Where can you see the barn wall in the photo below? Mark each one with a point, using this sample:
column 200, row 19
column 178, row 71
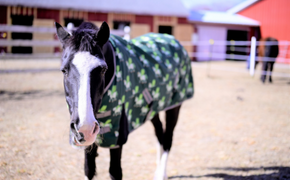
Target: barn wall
column 93, row 16
column 45, row 18
column 164, row 21
column 207, row 32
column 182, row 21
column 184, row 31
column 43, row 36
column 216, row 33
column 143, row 24
column 139, row 30
column 120, row 17
column 75, row 16
column 273, row 16
column 139, row 19
column 48, row 14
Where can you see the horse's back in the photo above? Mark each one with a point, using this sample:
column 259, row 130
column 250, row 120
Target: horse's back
column 153, row 73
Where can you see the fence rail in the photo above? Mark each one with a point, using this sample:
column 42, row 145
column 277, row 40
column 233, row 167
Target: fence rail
column 246, row 47
column 27, row 29
column 50, row 43
column 210, row 51
column 31, row 29
column 231, row 43
column 239, row 50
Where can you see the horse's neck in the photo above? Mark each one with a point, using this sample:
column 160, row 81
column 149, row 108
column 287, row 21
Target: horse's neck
column 110, row 60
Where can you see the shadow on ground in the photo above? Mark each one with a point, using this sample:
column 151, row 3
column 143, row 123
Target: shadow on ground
column 18, row 95
column 280, row 173
column 41, row 70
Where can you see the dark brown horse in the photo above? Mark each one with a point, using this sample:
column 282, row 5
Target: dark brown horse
column 88, row 66
column 268, row 52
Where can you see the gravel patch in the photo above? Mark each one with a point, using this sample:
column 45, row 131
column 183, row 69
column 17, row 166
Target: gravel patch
column 235, row 128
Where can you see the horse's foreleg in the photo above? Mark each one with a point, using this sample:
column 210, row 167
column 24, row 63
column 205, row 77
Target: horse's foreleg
column 115, row 164
column 116, row 154
column 90, row 163
column 171, row 120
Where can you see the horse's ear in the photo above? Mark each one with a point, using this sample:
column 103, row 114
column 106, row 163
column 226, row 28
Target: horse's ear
column 62, row 35
column 103, row 34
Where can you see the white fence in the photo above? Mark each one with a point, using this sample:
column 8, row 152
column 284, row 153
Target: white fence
column 212, row 54
column 31, row 29
column 212, row 51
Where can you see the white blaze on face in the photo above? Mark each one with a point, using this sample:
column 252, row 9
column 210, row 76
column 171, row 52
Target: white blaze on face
column 85, row 63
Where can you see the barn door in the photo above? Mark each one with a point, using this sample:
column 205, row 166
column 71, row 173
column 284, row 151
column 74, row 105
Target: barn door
column 165, row 29
column 23, row 21
column 233, row 49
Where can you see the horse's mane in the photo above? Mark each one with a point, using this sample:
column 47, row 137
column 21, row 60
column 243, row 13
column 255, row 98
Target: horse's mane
column 83, row 39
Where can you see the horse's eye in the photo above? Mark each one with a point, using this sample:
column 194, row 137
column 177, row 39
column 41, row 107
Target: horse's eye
column 64, row 71
column 103, row 71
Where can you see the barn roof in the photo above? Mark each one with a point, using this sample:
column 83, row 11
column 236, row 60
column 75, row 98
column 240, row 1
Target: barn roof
column 211, row 5
column 221, row 18
column 241, row 6
column 144, row 7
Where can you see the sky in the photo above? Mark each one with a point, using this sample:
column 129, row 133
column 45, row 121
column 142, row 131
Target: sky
column 211, row 5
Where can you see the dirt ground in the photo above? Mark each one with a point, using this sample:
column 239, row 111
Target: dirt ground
column 234, row 128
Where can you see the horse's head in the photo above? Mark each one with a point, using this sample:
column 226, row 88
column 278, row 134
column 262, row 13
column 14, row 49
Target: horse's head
column 83, row 65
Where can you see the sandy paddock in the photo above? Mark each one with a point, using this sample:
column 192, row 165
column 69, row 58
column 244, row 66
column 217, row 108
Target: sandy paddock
column 235, row 127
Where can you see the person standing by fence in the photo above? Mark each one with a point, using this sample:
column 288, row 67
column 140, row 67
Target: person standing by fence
column 269, row 51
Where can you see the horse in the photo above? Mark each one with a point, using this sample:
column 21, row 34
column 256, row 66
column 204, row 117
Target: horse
column 105, row 106
column 268, row 52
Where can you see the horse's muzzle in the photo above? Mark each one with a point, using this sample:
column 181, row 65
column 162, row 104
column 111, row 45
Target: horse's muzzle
column 86, row 135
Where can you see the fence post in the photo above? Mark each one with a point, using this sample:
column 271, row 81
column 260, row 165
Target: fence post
column 252, row 55
column 127, row 30
column 211, row 42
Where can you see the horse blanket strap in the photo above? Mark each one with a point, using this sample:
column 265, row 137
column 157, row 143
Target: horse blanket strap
column 104, row 130
column 153, row 73
column 104, row 114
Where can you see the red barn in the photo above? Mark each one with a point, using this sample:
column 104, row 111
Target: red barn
column 273, row 16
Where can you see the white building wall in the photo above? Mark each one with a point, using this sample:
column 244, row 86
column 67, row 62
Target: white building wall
column 205, row 34
column 217, row 33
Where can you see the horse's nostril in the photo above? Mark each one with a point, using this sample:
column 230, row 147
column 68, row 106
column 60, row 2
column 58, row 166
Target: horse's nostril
column 73, row 128
column 78, row 135
column 81, row 138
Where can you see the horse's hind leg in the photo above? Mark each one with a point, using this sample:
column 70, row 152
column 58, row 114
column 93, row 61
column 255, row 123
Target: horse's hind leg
column 159, row 134
column 90, row 163
column 115, row 163
column 171, row 120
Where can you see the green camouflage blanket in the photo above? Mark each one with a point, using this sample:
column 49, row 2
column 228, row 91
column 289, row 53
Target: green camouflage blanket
column 153, row 73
